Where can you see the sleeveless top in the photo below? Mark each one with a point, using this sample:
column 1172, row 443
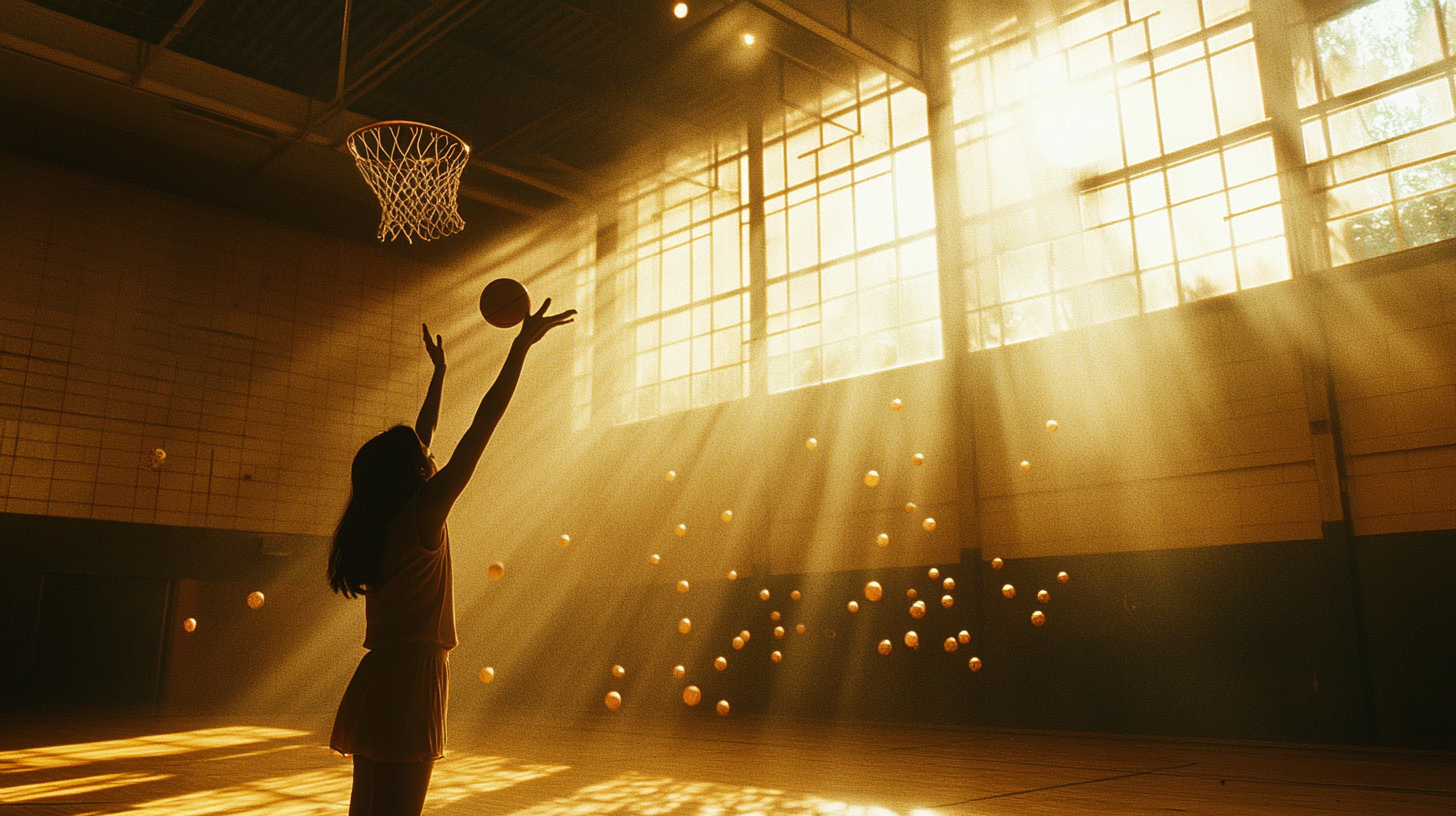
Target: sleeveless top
column 414, row 601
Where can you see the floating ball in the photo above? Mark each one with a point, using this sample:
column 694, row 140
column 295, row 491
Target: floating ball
column 726, row 516
column 975, row 664
column 1009, row 591
column 910, row 507
column 933, row 573
column 738, row 643
column 912, row 594
column 1063, row 578
column 745, row 635
column 811, row 443
column 947, row 601
column 883, row 540
column 917, row 459
column 853, row 607
column 794, row 595
column 614, row 701
column 679, row 672
column 1025, row 465
column 681, row 530
column 684, row 626
column 948, row 584
column 774, row 616
column 884, row 647
column 733, row 575
column 997, row 563
column 964, row 636
column 189, row 625
column 504, row 303
column 682, row 587
column 156, row 458
column 896, row 405
column 912, row 640
column 1038, row 618
column 928, row 525
column 654, row 559
column 951, row 645
column 1051, row 426
column 872, row 478
column 722, row 708
column 778, row 631
column 917, row 610
column 692, row 695
column 1043, row 596
column 873, row 590
column 496, row 571
column 619, row 672
column 670, row 475
column 799, row 628
column 255, row 600
column 563, row 541
column 720, row 663
column 763, row 594
column 487, row 674
column 776, row 656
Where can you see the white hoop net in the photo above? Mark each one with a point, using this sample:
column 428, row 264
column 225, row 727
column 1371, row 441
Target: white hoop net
column 415, row 170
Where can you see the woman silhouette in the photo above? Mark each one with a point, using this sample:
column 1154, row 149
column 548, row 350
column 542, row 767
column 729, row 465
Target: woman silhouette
column 392, row 547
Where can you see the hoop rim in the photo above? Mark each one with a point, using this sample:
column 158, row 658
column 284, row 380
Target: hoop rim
column 350, row 138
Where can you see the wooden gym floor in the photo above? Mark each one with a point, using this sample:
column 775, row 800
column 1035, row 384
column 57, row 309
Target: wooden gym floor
column 53, row 765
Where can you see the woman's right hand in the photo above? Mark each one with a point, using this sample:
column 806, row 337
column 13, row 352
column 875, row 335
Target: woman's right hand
column 535, row 326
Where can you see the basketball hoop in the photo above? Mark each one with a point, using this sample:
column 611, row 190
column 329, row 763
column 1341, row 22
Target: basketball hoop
column 415, row 170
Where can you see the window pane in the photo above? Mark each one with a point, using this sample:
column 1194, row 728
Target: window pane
column 1376, row 41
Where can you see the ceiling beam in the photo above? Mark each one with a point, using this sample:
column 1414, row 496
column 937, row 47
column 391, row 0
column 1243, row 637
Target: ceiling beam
column 529, row 179
column 485, row 196
column 787, row 12
column 149, row 51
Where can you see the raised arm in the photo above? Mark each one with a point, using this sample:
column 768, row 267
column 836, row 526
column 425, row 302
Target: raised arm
column 430, row 411
column 440, row 492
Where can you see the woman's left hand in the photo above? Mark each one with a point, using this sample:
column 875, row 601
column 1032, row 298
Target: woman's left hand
column 435, row 349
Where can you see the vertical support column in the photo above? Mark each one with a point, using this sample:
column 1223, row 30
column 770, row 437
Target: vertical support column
column 757, row 250
column 1273, row 22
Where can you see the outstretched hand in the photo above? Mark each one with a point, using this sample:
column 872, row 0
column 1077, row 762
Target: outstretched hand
column 535, row 326
column 435, row 349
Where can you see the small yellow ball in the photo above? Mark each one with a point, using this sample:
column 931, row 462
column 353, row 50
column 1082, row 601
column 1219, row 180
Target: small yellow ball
column 692, row 695
column 684, row 626
column 896, row 405
column 774, row 616
column 853, row 607
column 934, row 573
column 872, row 478
column 487, row 674
column 1063, row 578
column 763, row 594
column 794, row 595
column 654, row 559
column 723, row 708
column 799, row 628
column 811, row 443
column 733, row 575
column 726, row 516
column 912, row 594
column 1025, row 465
column 671, row 475
column 255, row 600
column 912, row 640
column 910, row 507
column 917, row 610
column 951, row 645
column 885, row 647
column 778, row 631
column 1038, row 618
column 720, row 663
column 1009, row 591
column 738, row 643
column 1051, row 426
column 681, row 530
column 679, row 672
column 189, row 625
column 682, row 587
column 745, row 635
column 873, row 590
column 947, row 601
column 1043, row 596
column 964, row 636
column 776, row 656
column 975, row 664
column 917, row 459
column 883, row 540
column 619, row 672
column 997, row 563
column 496, row 571
column 563, row 541
column 928, row 525
column 948, row 584
column 614, row 701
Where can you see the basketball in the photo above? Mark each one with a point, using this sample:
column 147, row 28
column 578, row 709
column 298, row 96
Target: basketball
column 504, row 303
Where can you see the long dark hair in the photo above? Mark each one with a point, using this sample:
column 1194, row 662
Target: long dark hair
column 386, row 473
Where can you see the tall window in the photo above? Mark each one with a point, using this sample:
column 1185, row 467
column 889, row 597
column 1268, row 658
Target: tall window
column 850, row 231
column 1375, row 94
column 1114, row 161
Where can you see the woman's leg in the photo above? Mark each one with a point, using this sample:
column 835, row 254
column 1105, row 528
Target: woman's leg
column 400, row 787
column 362, row 795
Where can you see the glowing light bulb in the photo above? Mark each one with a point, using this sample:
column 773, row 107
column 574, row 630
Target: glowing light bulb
column 680, row 10
column 749, row 39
